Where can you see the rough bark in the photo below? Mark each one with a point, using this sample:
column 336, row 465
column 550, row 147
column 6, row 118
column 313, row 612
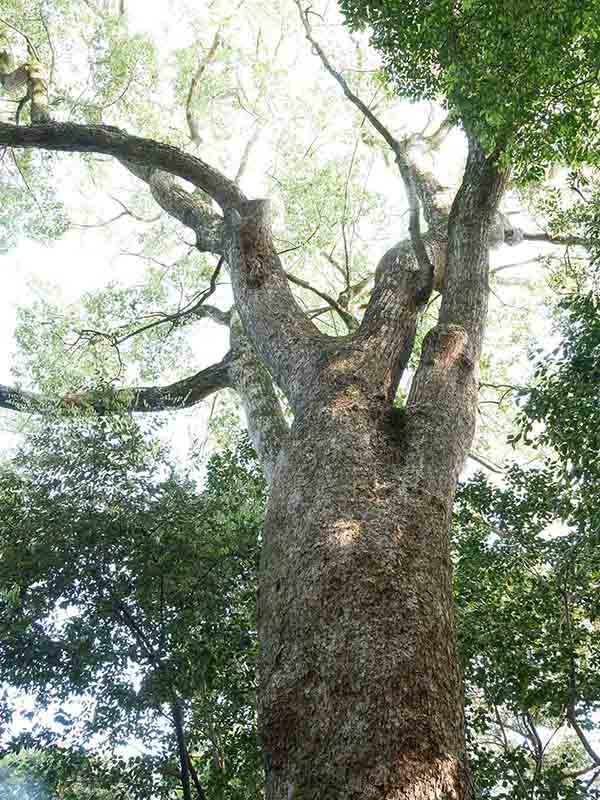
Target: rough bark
column 360, row 694
column 181, row 394
column 266, row 423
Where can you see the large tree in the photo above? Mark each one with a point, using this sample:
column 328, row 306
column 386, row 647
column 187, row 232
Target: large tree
column 360, row 693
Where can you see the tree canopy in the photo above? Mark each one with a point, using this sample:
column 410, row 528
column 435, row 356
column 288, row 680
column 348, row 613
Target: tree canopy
column 128, row 608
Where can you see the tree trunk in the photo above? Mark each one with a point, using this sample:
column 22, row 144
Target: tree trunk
column 360, row 692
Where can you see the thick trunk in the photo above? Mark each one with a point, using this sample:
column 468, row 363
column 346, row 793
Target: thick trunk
column 360, row 693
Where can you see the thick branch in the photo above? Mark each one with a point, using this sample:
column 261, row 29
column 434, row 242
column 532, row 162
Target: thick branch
column 181, row 394
column 70, row 137
column 181, row 751
column 441, row 409
column 187, row 207
column 287, row 342
column 260, row 284
column 388, row 328
column 466, row 283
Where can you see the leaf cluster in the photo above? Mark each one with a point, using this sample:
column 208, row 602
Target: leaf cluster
column 519, row 75
column 527, row 572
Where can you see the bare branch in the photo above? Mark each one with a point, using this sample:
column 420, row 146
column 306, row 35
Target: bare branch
column 50, row 45
column 195, row 311
column 30, row 44
column 436, row 138
column 563, row 241
column 191, row 120
column 525, row 263
column 349, row 320
column 26, row 182
column 246, row 154
column 397, row 148
column 486, row 463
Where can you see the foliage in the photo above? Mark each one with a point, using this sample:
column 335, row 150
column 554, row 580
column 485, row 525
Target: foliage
column 124, row 588
column 563, row 405
column 528, row 566
column 518, row 73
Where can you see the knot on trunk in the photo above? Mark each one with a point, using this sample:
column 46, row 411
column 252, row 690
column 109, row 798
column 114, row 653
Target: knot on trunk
column 446, row 346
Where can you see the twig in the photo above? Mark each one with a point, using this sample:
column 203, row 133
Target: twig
column 24, row 179
column 30, row 44
column 396, row 147
column 349, row 320
column 51, row 46
column 485, row 463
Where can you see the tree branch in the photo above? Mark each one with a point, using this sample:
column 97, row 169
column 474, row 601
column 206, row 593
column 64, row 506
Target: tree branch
column 406, row 169
column 563, row 241
column 486, row 463
column 466, row 282
column 571, row 705
column 267, row 426
column 191, row 120
column 286, row 340
column 187, row 207
column 70, row 137
column 181, row 394
column 348, row 319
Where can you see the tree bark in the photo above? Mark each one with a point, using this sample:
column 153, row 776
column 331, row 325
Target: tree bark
column 360, row 694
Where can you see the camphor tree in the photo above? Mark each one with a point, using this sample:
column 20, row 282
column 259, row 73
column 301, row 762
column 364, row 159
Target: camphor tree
column 359, row 692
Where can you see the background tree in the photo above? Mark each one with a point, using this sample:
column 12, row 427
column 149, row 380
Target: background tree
column 526, row 584
column 360, row 693
column 128, row 600
column 527, row 567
